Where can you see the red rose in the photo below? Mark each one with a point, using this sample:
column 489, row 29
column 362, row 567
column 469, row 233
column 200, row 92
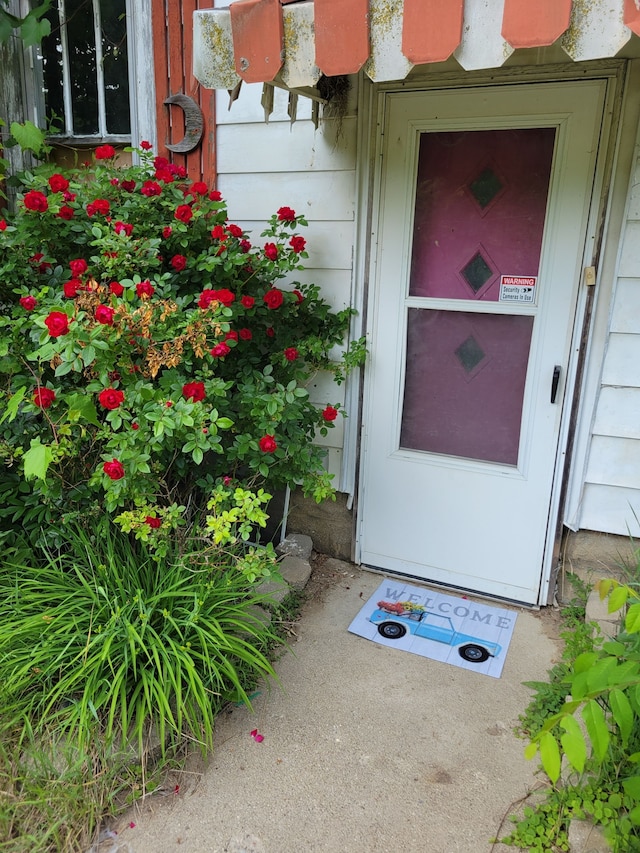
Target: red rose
column 215, row 195
column 231, row 335
column 3, row 225
column 178, row 262
column 234, row 230
column 123, row 228
column 330, row 413
column 28, row 302
column 71, row 288
column 145, row 289
column 298, row 296
column 270, row 332
column 111, row 398
column 193, row 391
column 206, row 298
column 271, row 251
column 291, row 353
column 128, row 186
column 116, row 288
column 198, row 188
column 218, row 232
column 104, row 152
column 167, row 231
column 248, row 301
column 268, row 444
column 286, row 214
column 66, row 212
column 245, row 245
column 297, row 244
column 100, row 205
column 78, row 266
column 245, row 334
column 146, row 146
column 43, row 397
column 57, row 323
column 151, row 188
column 183, row 213
column 153, row 522
column 68, row 197
column 35, row 200
column 58, row 183
column 225, row 296
column 220, row 350
column 104, row 315
column 273, row 298
column 113, row 469
column 134, row 425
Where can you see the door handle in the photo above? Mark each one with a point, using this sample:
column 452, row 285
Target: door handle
column 555, row 381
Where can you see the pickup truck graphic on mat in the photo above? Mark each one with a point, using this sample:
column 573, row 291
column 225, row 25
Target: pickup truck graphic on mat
column 395, row 618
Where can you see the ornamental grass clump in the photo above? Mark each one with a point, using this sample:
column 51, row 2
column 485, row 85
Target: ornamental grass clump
column 103, row 641
column 152, row 350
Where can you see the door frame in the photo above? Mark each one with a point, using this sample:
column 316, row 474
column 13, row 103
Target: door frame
column 371, row 112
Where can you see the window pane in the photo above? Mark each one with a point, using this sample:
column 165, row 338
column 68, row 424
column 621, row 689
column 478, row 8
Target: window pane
column 116, row 72
column 82, row 62
column 52, row 75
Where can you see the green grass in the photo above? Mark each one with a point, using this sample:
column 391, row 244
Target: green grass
column 108, row 655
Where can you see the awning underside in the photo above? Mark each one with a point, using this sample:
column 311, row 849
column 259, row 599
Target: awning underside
column 295, row 43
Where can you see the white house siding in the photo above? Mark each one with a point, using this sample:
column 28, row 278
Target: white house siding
column 262, row 167
column 611, row 494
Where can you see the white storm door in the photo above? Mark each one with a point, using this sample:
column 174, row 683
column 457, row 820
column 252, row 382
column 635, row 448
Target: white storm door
column 484, row 200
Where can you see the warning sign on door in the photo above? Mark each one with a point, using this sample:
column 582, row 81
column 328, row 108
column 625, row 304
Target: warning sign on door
column 517, row 288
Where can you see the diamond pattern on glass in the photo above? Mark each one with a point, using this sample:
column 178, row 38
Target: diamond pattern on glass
column 470, row 354
column 485, row 187
column 477, row 272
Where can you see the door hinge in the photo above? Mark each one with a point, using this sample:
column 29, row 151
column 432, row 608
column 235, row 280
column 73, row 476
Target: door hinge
column 589, row 276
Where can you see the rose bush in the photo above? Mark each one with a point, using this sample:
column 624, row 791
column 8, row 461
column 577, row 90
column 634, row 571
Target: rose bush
column 151, row 349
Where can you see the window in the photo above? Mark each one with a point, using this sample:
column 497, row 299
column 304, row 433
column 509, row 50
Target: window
column 85, row 70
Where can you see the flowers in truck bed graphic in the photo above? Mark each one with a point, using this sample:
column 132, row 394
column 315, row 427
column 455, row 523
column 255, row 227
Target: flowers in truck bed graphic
column 395, row 618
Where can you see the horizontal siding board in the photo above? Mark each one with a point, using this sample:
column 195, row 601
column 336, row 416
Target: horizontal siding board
column 322, row 390
column 630, row 255
column 323, row 195
column 283, row 148
column 329, row 244
column 334, row 284
column 614, row 461
column 611, row 509
column 625, row 317
column 622, row 360
column 618, row 413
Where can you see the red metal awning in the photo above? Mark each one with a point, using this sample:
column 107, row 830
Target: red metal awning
column 296, row 41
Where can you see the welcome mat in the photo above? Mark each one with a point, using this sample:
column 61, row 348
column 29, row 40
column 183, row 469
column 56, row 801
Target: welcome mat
column 442, row 627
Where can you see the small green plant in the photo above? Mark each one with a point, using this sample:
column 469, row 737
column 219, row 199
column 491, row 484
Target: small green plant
column 595, row 730
column 104, row 640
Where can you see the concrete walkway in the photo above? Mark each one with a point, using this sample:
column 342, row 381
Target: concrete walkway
column 366, row 749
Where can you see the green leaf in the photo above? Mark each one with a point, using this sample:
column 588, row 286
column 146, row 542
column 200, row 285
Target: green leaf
column 530, row 750
column 224, row 423
column 618, row 598
column 81, row 406
column 197, row 455
column 622, row 713
column 28, row 136
column 37, row 460
column 88, row 355
column 63, row 368
column 12, row 405
column 597, row 728
column 632, row 787
column 634, row 815
column 33, row 31
column 573, row 743
column 550, row 756
column 632, row 619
